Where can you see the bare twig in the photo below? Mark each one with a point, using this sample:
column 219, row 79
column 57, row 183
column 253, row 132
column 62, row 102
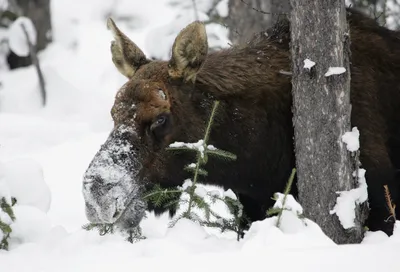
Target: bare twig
column 390, row 204
column 287, row 73
column 261, row 11
column 35, row 61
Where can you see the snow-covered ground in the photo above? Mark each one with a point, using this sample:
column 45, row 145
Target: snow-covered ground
column 44, row 153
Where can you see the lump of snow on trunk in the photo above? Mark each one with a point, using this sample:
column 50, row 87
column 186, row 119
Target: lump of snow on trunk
column 308, row 64
column 17, row 38
column 351, row 139
column 347, row 200
column 335, row 71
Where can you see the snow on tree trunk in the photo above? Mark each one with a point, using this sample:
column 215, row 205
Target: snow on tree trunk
column 321, row 106
column 247, row 17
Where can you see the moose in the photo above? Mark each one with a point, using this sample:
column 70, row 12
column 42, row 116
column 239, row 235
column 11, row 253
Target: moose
column 168, row 101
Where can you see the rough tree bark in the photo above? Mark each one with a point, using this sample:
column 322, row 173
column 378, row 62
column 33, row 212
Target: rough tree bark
column 321, row 108
column 247, row 17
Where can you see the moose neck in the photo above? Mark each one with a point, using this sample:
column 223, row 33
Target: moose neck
column 252, row 72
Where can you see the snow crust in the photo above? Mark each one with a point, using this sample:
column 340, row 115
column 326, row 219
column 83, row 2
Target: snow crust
column 47, row 151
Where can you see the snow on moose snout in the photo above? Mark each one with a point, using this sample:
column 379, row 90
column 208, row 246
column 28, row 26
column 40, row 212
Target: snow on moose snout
column 110, row 189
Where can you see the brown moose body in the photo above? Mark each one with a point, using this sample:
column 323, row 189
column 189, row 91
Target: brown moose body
column 168, row 101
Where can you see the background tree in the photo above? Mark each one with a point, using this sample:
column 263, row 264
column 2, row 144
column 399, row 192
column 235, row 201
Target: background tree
column 321, row 108
column 247, row 17
column 386, row 12
column 39, row 12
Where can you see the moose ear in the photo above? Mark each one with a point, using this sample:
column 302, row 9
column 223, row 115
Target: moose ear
column 189, row 52
column 126, row 55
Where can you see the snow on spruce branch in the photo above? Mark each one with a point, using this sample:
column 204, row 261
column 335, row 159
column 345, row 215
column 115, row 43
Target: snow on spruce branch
column 286, row 207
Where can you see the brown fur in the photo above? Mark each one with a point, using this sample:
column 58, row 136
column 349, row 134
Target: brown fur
column 255, row 119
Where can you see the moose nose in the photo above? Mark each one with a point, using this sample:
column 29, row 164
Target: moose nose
column 101, row 202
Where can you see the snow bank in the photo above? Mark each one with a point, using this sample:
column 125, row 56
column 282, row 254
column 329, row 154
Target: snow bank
column 24, row 180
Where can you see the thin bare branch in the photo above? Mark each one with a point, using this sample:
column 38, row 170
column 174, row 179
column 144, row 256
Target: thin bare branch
column 261, row 11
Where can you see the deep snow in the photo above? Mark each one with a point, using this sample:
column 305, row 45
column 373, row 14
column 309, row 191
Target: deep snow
column 45, row 152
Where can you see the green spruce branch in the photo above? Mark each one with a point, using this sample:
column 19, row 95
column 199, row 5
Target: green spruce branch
column 160, row 196
column 5, row 227
column 132, row 235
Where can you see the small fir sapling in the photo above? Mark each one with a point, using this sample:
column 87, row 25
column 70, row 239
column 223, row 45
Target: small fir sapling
column 196, row 194
column 7, row 217
column 281, row 200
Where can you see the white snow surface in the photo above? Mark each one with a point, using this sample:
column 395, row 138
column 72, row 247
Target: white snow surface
column 45, row 153
column 24, row 181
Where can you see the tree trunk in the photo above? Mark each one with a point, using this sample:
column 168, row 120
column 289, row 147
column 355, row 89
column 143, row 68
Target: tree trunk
column 39, row 12
column 247, row 17
column 321, row 108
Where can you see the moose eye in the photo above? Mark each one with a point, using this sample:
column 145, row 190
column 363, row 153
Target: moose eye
column 161, row 126
column 161, row 120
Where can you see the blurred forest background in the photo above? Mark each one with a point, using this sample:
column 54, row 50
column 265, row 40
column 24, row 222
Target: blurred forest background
column 244, row 18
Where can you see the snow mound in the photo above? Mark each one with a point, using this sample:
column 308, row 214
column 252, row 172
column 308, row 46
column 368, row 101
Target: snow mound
column 265, row 234
column 31, row 225
column 24, row 180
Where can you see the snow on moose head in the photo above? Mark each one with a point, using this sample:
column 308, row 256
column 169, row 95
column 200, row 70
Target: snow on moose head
column 152, row 110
